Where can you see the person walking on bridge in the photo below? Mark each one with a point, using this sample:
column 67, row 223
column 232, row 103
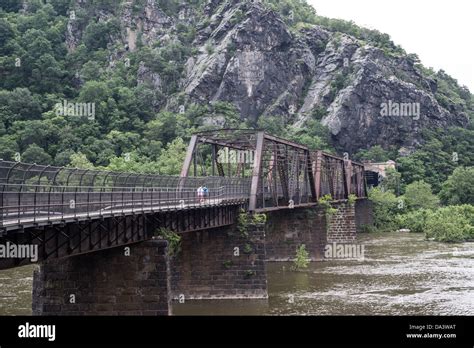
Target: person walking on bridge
column 205, row 192
column 200, row 194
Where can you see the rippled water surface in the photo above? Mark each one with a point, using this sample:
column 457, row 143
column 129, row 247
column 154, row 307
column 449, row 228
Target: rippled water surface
column 402, row 274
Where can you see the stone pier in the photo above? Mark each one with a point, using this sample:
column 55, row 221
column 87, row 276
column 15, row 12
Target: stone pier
column 222, row 263
column 286, row 232
column 364, row 215
column 116, row 281
column 342, row 225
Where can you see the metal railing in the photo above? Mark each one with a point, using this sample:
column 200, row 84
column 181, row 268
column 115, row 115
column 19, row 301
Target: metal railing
column 32, row 194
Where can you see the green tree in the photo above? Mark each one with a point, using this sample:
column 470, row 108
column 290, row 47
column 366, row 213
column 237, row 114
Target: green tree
column 374, row 154
column 313, row 134
column 6, row 33
column 79, row 160
column 63, row 158
column 61, row 6
column 98, row 34
column 415, row 220
column 166, row 127
column 132, row 163
column 124, row 142
column 411, row 169
column 35, row 154
column 8, row 147
column 392, row 181
column 42, row 133
column 272, row 124
column 172, row 158
column 418, row 195
column 386, row 208
column 91, row 71
column 10, row 5
column 19, row 105
column 459, row 188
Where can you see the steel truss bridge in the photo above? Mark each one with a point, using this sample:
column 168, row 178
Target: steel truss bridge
column 70, row 211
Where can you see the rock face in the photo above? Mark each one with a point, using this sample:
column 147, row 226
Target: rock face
column 152, row 23
column 356, row 116
column 246, row 54
column 248, row 63
column 264, row 69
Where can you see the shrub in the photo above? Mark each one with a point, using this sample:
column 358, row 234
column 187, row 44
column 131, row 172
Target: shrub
column 415, row 221
column 245, row 219
column 209, row 48
column 259, row 218
column 301, row 260
column 174, row 241
column 352, row 199
column 325, row 203
column 385, row 209
column 451, row 224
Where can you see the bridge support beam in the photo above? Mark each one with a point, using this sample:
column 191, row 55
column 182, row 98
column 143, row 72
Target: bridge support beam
column 131, row 280
column 221, row 263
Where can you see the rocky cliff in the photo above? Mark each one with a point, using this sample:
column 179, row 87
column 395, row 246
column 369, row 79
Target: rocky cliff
column 246, row 54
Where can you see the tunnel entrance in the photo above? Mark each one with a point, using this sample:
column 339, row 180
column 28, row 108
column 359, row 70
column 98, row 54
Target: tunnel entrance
column 372, row 179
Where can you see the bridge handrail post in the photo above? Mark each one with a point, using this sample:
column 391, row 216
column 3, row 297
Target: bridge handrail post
column 2, row 207
column 348, row 176
column 143, row 196
column 153, row 197
column 62, row 201
column 167, row 194
column 256, row 171
column 34, row 203
column 317, row 174
column 88, row 201
column 19, row 203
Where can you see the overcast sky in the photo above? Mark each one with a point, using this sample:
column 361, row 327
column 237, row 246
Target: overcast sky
column 441, row 32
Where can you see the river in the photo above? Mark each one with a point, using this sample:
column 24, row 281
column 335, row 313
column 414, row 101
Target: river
column 401, row 274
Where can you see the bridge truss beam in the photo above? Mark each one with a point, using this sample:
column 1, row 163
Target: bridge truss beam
column 283, row 174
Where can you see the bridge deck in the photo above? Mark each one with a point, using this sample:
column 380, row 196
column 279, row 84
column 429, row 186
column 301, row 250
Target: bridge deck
column 51, row 218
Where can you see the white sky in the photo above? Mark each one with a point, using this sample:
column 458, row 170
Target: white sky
column 441, row 32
